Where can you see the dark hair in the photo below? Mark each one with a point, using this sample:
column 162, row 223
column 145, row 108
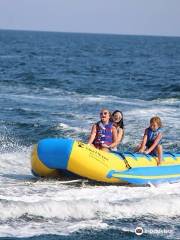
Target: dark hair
column 121, row 122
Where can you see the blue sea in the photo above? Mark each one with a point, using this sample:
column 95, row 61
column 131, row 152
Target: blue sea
column 54, row 85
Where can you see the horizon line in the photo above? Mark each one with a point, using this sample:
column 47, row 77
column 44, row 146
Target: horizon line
column 57, row 31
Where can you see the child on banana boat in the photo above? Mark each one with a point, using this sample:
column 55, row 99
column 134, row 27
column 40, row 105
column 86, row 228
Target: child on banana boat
column 152, row 140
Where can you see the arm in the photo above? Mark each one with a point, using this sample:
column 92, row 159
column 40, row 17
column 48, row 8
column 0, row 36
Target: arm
column 114, row 138
column 158, row 138
column 92, row 135
column 119, row 136
column 144, row 141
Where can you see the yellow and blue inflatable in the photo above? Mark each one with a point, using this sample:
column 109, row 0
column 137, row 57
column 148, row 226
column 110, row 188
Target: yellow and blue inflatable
column 51, row 155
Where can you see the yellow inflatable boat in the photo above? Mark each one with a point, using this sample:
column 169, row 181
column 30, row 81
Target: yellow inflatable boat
column 51, row 155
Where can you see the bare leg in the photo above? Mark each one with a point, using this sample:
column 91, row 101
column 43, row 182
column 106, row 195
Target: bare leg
column 160, row 154
column 105, row 149
column 139, row 148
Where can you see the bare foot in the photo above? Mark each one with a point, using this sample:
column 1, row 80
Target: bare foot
column 158, row 163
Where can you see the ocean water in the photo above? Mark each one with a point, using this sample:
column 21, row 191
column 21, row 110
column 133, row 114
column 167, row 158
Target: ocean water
column 54, row 85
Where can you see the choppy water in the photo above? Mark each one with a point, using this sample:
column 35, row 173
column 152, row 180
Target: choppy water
column 53, row 85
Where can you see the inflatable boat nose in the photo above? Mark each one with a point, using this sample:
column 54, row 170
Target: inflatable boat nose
column 55, row 153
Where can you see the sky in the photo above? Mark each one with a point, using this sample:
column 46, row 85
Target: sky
column 139, row 17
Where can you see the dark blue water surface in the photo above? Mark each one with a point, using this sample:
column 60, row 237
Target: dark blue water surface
column 36, row 68
column 54, row 85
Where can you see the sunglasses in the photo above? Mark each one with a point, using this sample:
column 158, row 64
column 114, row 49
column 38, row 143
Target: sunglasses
column 103, row 113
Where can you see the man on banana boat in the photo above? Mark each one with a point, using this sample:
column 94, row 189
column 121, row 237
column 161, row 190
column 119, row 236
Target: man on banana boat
column 107, row 133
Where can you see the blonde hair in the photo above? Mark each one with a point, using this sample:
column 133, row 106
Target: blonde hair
column 157, row 120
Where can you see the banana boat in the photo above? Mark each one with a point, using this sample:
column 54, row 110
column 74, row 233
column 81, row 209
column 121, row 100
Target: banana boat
column 53, row 154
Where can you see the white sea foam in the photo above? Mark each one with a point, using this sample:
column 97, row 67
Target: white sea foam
column 15, row 161
column 71, row 128
column 75, row 207
column 29, row 229
column 64, row 210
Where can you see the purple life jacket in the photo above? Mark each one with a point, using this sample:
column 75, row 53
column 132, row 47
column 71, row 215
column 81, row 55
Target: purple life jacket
column 103, row 134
